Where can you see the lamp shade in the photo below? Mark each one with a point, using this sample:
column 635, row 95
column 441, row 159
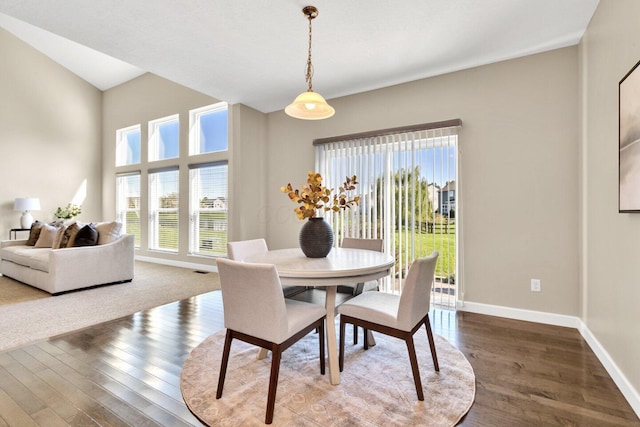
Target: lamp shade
column 310, row 105
column 26, row 204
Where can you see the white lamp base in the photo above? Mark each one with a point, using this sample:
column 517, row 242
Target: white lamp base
column 26, row 219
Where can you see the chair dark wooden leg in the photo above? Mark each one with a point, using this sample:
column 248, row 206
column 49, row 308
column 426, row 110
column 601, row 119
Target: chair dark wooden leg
column 321, row 338
column 355, row 335
column 341, row 352
column 223, row 364
column 414, row 366
column 366, row 338
column 276, row 354
column 432, row 344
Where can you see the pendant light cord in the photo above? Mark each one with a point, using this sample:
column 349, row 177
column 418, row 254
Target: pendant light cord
column 309, row 73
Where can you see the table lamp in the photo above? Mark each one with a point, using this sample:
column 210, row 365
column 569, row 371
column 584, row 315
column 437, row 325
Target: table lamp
column 26, row 204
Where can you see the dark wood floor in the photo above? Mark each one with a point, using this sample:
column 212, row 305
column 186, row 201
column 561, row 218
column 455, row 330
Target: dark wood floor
column 126, row 372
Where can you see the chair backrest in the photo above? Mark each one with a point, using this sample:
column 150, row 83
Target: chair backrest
column 243, row 249
column 368, row 244
column 416, row 292
column 252, row 299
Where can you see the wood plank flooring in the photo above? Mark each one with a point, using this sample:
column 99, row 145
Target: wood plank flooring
column 126, row 372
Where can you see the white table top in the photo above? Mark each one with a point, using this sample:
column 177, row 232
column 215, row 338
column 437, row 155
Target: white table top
column 341, row 266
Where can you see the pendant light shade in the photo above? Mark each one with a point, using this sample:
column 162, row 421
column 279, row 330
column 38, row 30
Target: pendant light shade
column 309, row 105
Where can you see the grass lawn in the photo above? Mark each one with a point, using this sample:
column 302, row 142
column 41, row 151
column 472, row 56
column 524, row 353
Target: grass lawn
column 425, row 243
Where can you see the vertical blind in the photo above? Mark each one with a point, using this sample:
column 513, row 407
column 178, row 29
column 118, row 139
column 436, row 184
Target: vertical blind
column 407, row 180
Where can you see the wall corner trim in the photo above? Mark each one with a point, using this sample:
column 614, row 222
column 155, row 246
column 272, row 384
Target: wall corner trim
column 628, row 391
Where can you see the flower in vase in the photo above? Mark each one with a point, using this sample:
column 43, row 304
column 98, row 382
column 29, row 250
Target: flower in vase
column 315, row 197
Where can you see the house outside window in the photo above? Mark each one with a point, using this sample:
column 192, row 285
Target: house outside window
column 448, row 198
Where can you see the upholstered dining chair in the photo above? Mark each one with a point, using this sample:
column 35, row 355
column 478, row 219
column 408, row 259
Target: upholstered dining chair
column 242, row 249
column 398, row 316
column 256, row 312
column 358, row 288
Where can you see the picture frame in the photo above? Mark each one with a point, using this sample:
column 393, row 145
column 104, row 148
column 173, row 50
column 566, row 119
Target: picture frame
column 629, row 141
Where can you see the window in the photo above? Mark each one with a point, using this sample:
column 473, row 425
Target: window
column 164, row 138
column 402, row 175
column 128, row 204
column 163, row 210
column 147, row 196
column 128, row 146
column 208, row 209
column 208, row 129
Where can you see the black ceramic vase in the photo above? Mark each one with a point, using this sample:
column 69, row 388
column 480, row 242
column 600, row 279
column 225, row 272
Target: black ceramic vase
column 316, row 238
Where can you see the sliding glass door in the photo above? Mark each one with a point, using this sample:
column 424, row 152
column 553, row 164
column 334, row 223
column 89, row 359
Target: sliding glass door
column 407, row 183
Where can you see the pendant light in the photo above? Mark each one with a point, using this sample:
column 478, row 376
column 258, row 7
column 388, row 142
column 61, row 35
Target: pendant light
column 309, row 105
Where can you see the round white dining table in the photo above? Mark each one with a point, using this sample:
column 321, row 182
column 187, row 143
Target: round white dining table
column 342, row 266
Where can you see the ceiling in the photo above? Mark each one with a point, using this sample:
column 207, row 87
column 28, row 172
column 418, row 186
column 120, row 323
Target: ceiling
column 254, row 51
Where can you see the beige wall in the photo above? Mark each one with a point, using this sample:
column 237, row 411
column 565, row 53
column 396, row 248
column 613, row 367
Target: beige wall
column 611, row 241
column 247, row 169
column 50, row 140
column 519, row 170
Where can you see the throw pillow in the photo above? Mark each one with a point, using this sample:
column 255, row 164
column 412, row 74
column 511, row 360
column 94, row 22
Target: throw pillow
column 58, row 240
column 87, row 236
column 34, row 233
column 69, row 235
column 48, row 235
column 108, row 231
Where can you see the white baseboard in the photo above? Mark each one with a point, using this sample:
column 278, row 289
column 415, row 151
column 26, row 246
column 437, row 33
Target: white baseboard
column 520, row 314
column 627, row 389
column 173, row 263
column 624, row 385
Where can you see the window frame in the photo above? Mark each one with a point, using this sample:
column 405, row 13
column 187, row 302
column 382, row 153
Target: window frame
column 154, row 239
column 194, row 127
column 154, row 141
column 122, row 142
column 195, row 212
column 122, row 213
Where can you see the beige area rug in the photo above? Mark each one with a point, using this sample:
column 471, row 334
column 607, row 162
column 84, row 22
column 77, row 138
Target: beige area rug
column 44, row 316
column 12, row 292
column 376, row 387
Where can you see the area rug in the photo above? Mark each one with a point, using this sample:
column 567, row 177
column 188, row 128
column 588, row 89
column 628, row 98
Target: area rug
column 40, row 318
column 12, row 292
column 376, row 387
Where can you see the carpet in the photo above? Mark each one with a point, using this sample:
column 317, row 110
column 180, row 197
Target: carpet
column 44, row 316
column 12, row 292
column 376, row 387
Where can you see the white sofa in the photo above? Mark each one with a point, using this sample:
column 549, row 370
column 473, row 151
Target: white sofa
column 62, row 270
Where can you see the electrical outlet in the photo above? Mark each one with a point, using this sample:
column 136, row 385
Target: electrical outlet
column 535, row 285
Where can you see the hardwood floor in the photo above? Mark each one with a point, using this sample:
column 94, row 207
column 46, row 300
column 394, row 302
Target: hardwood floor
column 126, row 372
